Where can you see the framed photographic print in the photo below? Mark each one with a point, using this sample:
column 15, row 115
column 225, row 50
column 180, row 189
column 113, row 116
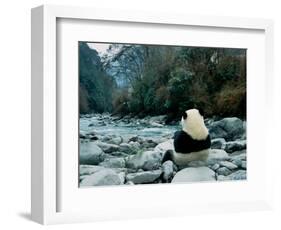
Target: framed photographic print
column 140, row 114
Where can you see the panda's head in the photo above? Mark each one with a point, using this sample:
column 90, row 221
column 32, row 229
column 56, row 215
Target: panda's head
column 193, row 124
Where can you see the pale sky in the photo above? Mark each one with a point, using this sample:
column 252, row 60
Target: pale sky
column 100, row 47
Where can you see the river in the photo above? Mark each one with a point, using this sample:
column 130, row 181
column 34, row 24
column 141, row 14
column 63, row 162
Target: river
column 104, row 125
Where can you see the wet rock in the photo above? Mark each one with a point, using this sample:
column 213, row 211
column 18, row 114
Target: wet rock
column 82, row 135
column 238, row 175
column 236, row 153
column 125, row 147
column 149, row 143
column 105, row 138
column 230, row 128
column 216, row 156
column 194, row 175
column 134, row 144
column 108, row 148
column 93, row 138
column 113, row 163
column 82, row 177
column 102, row 177
column 119, row 154
column 158, row 119
column 215, row 167
column 115, row 140
column 243, row 164
column 221, row 178
column 130, row 148
column 97, row 123
column 147, row 160
column 165, row 146
column 218, row 143
column 241, row 157
column 155, row 124
column 90, row 154
column 223, row 171
column 233, row 146
column 91, row 133
column 135, row 138
column 228, row 165
column 89, row 169
column 237, row 162
column 144, row 177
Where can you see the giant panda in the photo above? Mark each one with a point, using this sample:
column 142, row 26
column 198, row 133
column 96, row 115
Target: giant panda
column 192, row 142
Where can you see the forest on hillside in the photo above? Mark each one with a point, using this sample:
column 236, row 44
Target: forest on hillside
column 141, row 80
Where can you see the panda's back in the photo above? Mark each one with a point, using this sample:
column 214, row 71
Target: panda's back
column 184, row 143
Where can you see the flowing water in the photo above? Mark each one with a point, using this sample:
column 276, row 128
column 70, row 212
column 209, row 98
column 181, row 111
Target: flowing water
column 105, row 125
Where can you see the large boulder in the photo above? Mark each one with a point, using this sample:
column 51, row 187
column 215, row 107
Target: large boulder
column 194, row 175
column 90, row 154
column 102, row 177
column 216, row 156
column 165, row 146
column 147, row 160
column 230, row 128
column 113, row 163
column 144, row 177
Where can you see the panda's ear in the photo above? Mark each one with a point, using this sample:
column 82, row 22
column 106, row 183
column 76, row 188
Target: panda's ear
column 201, row 112
column 184, row 115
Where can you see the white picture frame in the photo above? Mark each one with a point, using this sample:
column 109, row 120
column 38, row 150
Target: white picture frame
column 46, row 183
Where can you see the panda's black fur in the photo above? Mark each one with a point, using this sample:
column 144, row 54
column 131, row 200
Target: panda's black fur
column 185, row 145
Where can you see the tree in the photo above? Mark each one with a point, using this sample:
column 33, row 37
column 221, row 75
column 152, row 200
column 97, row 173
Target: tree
column 96, row 86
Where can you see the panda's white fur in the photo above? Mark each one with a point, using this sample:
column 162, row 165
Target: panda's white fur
column 194, row 126
column 182, row 159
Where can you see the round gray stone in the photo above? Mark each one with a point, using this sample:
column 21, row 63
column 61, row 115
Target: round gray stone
column 144, row 177
column 102, row 177
column 194, row 175
column 90, row 153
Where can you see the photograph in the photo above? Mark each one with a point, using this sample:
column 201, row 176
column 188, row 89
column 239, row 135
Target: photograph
column 156, row 113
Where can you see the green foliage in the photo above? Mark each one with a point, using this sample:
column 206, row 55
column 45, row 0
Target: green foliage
column 165, row 80
column 120, row 101
column 175, row 79
column 96, row 86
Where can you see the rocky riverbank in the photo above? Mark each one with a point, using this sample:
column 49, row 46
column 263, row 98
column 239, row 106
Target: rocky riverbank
column 115, row 151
